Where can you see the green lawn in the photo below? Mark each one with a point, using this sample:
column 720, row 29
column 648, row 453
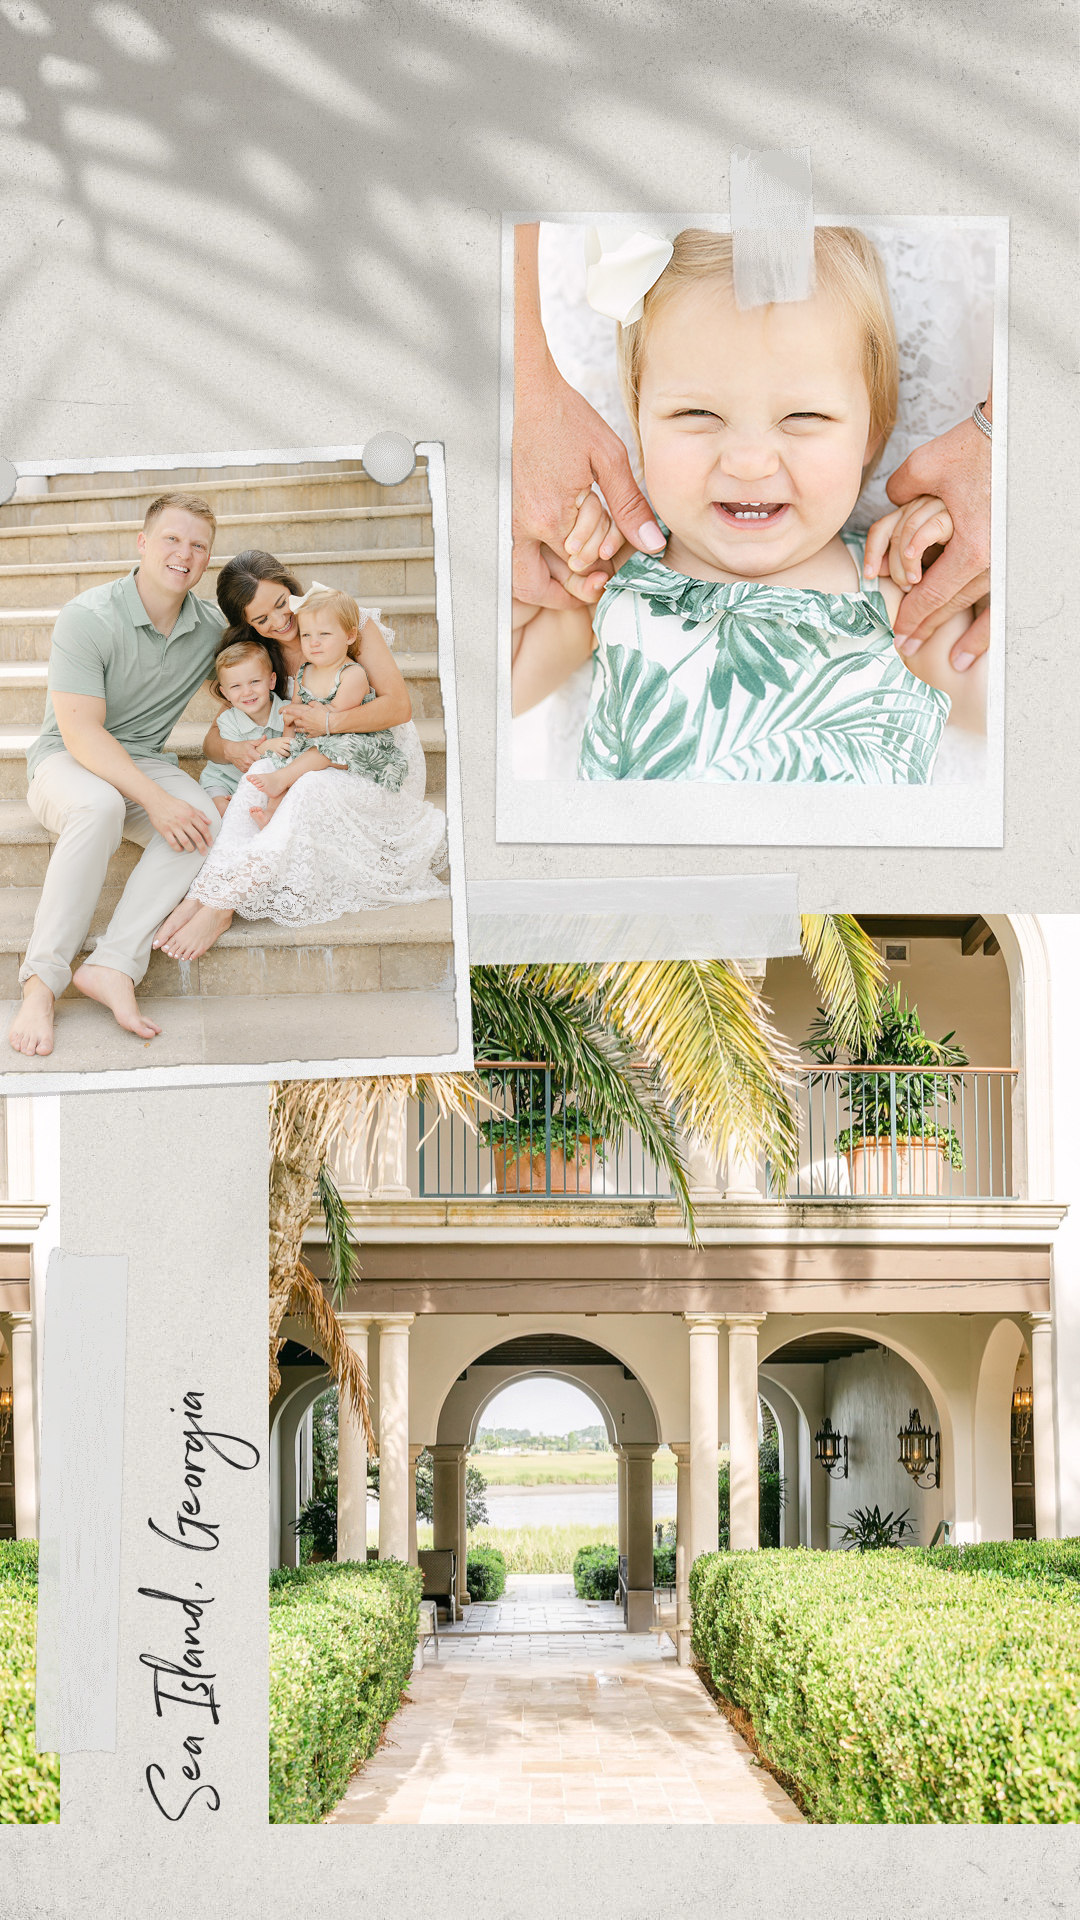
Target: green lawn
column 562, row 1469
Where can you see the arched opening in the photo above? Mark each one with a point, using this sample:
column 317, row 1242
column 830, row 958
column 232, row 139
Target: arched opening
column 867, row 1384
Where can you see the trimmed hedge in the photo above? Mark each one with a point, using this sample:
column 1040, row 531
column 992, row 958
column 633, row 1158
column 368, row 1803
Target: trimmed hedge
column 342, row 1641
column 890, row 1691
column 1048, row 1563
column 596, row 1573
column 29, row 1781
column 485, row 1573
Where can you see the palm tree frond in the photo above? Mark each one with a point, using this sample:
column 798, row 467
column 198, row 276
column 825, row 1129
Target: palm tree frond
column 310, row 1304
column 850, row 975
column 341, row 1246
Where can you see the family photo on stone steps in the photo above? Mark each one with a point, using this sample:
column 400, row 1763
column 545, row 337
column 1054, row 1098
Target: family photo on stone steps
column 301, row 805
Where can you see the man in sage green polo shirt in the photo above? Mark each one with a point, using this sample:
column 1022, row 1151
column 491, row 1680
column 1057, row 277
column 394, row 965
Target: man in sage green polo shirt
column 126, row 658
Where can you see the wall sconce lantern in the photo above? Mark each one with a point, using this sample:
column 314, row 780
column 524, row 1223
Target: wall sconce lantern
column 830, row 1449
column 920, row 1451
column 1022, row 1403
column 6, row 1404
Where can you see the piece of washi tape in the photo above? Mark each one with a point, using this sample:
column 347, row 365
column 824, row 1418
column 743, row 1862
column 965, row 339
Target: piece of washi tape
column 669, row 917
column 772, row 225
column 81, row 1484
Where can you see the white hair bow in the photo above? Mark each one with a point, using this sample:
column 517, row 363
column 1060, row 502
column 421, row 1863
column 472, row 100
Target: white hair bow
column 297, row 600
column 620, row 267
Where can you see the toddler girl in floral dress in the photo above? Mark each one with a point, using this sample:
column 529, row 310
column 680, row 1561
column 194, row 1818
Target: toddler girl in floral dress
column 755, row 649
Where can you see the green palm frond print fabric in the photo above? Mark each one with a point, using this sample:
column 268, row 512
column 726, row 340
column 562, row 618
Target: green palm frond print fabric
column 700, row 680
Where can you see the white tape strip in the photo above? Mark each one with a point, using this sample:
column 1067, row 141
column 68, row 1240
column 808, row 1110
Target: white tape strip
column 772, row 225
column 649, row 918
column 82, row 1446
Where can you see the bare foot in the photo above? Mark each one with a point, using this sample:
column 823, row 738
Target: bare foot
column 179, row 917
column 32, row 1028
column 262, row 814
column 117, row 992
column 194, row 939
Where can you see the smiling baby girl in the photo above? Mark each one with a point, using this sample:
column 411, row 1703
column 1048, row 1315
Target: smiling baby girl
column 754, row 649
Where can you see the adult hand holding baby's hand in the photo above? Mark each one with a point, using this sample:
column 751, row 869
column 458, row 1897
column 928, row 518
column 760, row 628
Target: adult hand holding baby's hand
column 956, row 468
column 299, row 718
column 242, row 754
column 561, row 446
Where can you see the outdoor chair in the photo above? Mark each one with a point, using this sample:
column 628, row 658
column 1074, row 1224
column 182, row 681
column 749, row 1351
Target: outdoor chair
column 438, row 1565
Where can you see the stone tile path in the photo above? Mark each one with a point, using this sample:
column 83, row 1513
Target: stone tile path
column 543, row 1711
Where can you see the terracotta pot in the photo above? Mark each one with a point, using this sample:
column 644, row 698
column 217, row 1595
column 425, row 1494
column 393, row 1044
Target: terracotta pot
column 526, row 1173
column 921, row 1168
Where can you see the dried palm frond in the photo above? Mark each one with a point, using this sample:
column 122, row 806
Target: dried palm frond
column 307, row 1119
column 850, row 975
column 310, row 1304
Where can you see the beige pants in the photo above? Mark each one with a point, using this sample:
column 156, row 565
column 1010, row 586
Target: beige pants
column 91, row 818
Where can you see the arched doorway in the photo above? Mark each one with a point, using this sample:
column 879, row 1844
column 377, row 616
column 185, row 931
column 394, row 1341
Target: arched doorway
column 628, row 1417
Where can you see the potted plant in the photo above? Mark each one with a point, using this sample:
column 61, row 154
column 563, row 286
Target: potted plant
column 518, row 1137
column 898, row 1125
column 868, row 1531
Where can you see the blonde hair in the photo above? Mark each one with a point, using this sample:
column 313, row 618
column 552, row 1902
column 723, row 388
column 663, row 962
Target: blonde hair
column 849, row 270
column 231, row 656
column 344, row 610
column 187, row 503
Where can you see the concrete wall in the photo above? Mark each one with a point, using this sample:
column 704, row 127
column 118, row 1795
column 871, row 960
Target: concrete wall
column 869, row 1397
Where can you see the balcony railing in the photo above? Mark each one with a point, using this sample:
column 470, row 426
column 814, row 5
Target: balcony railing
column 904, row 1133
column 878, row 1133
column 534, row 1139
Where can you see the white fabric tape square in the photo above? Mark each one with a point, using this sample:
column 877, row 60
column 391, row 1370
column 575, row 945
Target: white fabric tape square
column 772, row 225
column 82, row 1457
column 674, row 917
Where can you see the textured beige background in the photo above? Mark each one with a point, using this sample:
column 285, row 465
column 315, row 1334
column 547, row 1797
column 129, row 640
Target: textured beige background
column 246, row 225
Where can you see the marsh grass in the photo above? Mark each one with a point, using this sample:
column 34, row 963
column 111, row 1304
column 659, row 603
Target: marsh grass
column 563, row 1469
column 535, row 1549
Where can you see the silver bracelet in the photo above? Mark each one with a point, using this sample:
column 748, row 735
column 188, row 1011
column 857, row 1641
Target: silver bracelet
column 984, row 425
column 328, row 723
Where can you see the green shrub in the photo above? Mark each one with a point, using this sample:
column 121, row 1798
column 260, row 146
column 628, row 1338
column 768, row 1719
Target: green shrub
column 596, row 1573
column 342, row 1640
column 29, row 1781
column 891, row 1691
column 663, row 1566
column 485, row 1573
column 1049, row 1563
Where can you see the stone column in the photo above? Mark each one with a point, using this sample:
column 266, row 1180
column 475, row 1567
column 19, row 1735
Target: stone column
column 1042, row 1423
column 414, row 1455
column 639, row 1537
column 620, row 1463
column 352, row 1455
column 681, row 1450
column 23, row 1425
column 394, row 1500
column 463, row 1532
column 743, row 1427
column 447, row 1520
column 704, row 1431
column 703, row 1173
column 741, row 1182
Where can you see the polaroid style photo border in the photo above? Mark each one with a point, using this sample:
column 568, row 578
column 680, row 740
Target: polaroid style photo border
column 759, row 814
column 252, row 1073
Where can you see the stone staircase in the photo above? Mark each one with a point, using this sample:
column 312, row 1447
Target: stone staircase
column 383, row 979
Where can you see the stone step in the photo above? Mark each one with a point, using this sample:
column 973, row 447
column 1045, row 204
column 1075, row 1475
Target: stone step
column 370, row 574
column 148, row 481
column 24, row 683
column 250, row 492
column 25, row 846
column 26, row 632
column 391, row 950
column 246, row 1030
column 185, row 741
column 332, row 528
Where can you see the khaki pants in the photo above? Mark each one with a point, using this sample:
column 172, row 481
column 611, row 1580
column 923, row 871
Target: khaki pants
column 91, row 818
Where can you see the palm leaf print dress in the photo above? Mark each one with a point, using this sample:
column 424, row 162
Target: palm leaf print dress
column 707, row 680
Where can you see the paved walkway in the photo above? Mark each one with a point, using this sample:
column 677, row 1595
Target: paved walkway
column 540, row 1709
